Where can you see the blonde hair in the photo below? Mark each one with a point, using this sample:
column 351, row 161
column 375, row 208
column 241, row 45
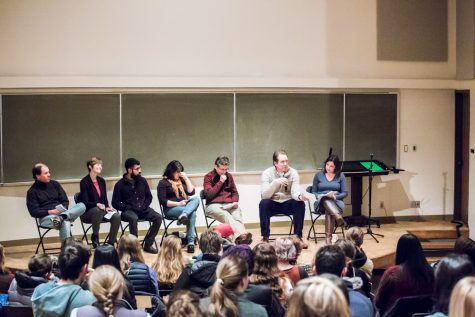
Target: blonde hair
column 129, row 250
column 229, row 274
column 183, row 304
column 317, row 297
column 107, row 284
column 170, row 262
column 462, row 300
column 2, row 259
column 355, row 235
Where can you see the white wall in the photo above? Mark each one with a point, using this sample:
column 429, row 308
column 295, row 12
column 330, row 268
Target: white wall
column 210, row 43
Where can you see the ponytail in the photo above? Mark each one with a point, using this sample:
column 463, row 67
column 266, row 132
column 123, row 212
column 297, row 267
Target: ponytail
column 107, row 285
column 229, row 274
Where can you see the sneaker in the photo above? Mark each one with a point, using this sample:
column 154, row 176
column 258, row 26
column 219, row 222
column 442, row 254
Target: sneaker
column 56, row 222
column 182, row 219
column 190, row 248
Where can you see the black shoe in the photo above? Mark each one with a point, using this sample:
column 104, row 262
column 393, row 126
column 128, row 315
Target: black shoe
column 341, row 222
column 149, row 248
column 182, row 219
column 112, row 243
column 95, row 241
column 190, row 248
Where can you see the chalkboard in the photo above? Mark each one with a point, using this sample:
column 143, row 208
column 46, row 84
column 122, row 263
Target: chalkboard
column 62, row 131
column 191, row 128
column 371, row 127
column 306, row 125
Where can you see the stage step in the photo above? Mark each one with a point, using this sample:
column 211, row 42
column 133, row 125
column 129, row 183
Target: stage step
column 439, row 233
column 438, row 245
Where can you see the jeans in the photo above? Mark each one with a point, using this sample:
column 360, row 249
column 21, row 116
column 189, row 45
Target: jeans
column 190, row 211
column 71, row 214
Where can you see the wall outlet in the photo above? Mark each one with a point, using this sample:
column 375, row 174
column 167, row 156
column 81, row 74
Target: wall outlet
column 381, row 204
column 416, row 204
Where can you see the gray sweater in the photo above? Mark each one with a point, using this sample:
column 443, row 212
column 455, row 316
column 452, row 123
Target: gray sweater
column 271, row 189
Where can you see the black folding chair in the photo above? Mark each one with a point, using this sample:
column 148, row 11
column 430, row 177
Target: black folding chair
column 170, row 222
column 84, row 229
column 203, row 205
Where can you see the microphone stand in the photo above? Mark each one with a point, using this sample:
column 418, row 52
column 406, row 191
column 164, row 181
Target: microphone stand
column 370, row 180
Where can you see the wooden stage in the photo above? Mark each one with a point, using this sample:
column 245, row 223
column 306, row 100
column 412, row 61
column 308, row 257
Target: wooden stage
column 440, row 234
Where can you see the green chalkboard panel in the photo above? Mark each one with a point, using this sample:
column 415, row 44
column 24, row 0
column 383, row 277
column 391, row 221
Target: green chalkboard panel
column 306, row 125
column 193, row 128
column 371, row 127
column 63, row 131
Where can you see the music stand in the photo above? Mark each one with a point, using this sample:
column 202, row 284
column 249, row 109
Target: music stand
column 369, row 231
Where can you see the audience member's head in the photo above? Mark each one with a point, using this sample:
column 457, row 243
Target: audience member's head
column 225, row 230
column 40, row 265
column 106, row 255
column 317, row 297
column 2, row 259
column 330, row 259
column 410, row 256
column 107, row 285
column 465, row 245
column 462, row 300
column 449, row 271
column 70, row 241
column 183, row 304
column 265, row 263
column 129, row 250
column 73, row 262
column 210, row 242
column 338, row 281
column 356, row 235
column 348, row 249
column 285, row 249
column 244, row 251
column 170, row 261
column 231, row 277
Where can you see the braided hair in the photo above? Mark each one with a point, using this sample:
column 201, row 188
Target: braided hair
column 107, row 284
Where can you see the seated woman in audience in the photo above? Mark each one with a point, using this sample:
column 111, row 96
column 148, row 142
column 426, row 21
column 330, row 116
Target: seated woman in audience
column 266, row 272
column 259, row 294
column 24, row 283
column 361, row 261
column 6, row 276
column 411, row 276
column 316, row 297
column 462, row 300
column 329, row 187
column 226, row 297
column 184, row 304
column 465, row 245
column 169, row 264
column 107, row 255
column 174, row 194
column 107, row 285
column 450, row 270
column 133, row 265
column 286, row 252
column 356, row 277
column 94, row 195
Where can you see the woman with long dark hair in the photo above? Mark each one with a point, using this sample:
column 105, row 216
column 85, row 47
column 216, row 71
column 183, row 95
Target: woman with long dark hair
column 175, row 193
column 329, row 188
column 450, row 270
column 411, row 276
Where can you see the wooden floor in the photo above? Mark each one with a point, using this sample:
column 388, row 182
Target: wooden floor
column 381, row 253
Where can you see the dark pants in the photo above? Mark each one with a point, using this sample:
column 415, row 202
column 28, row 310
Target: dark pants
column 95, row 216
column 268, row 208
column 149, row 214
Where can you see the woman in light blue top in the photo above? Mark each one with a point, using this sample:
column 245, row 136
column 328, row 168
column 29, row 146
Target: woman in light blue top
column 329, row 187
